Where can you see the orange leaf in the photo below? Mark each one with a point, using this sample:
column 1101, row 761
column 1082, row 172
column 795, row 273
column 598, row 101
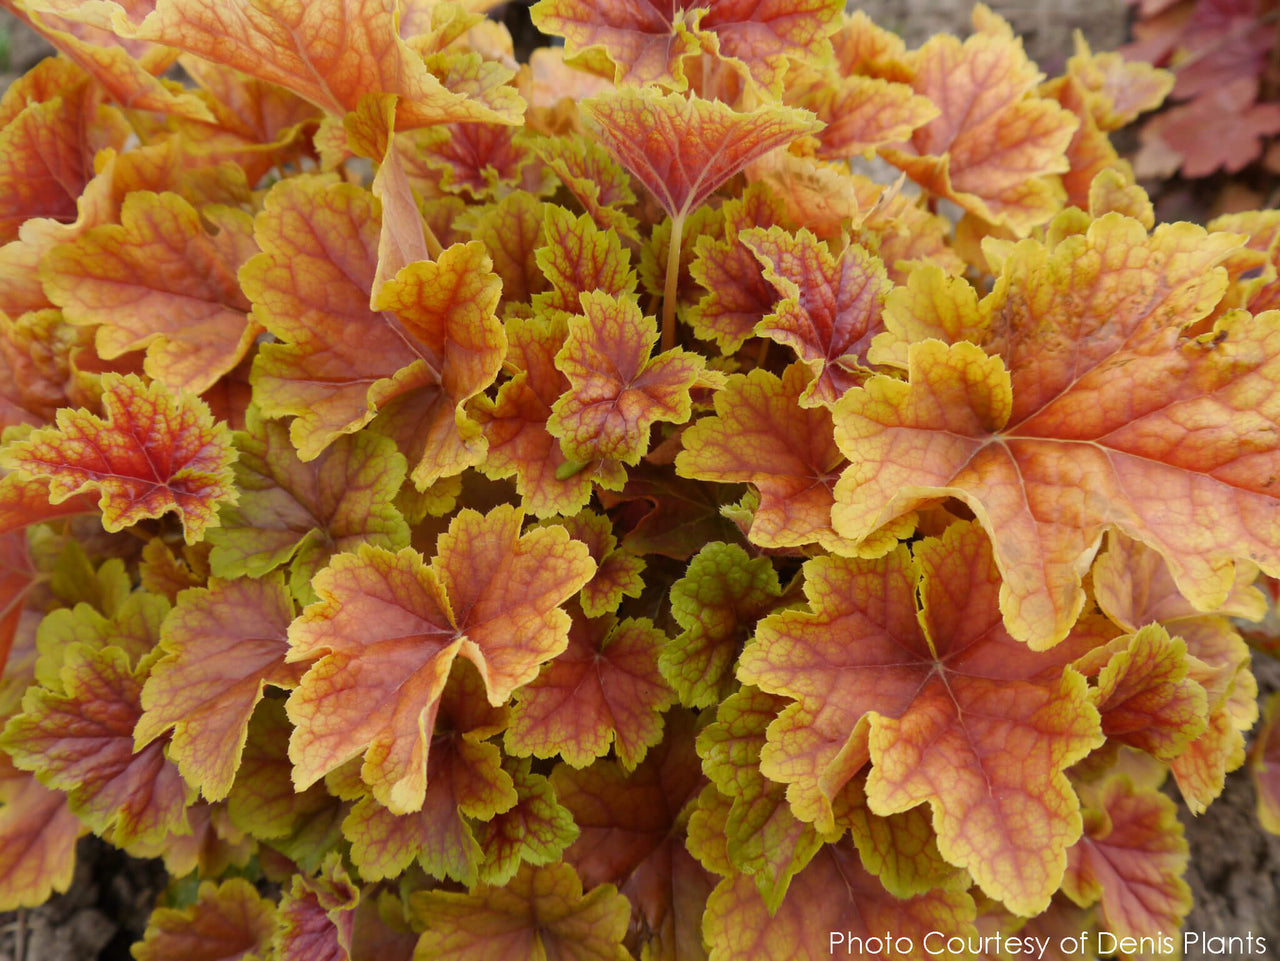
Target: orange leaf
column 1097, row 390
column 617, row 392
column 80, row 740
column 861, row 113
column 332, row 52
column 1144, row 695
column 387, row 629
column 648, row 43
column 617, row 570
column 152, row 453
column 428, row 342
column 579, row 258
column 465, row 780
column 222, row 646
column 127, row 69
column 738, row 296
column 605, row 687
column 833, row 897
column 1131, row 859
column 38, row 836
column 683, row 149
column 996, row 145
column 515, row 424
column 228, row 922
column 1134, row 586
column 762, row 435
column 949, row 707
column 316, row 916
column 830, row 307
column 541, row 912
column 160, row 281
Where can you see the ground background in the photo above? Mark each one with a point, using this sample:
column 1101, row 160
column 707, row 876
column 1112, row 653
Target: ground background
column 1235, row 866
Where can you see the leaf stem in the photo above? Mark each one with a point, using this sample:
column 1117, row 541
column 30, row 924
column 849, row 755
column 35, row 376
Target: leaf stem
column 673, row 282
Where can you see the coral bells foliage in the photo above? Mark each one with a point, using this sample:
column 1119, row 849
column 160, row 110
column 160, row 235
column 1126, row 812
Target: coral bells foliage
column 457, row 508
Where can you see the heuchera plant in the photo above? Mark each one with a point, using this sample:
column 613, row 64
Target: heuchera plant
column 463, row 509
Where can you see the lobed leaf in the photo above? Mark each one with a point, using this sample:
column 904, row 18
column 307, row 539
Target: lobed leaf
column 160, row 281
column 80, row 740
column 228, row 922
column 387, row 629
column 604, row 688
column 541, row 912
column 154, row 451
column 682, row 149
column 1092, row 386
column 1131, row 860
column 617, row 392
column 222, row 645
column 948, row 707
column 829, row 306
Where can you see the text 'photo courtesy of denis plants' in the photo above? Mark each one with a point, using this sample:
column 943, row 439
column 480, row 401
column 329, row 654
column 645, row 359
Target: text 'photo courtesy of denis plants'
column 726, row 484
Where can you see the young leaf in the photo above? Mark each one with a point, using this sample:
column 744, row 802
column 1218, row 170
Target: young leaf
column 604, row 688
column 316, row 916
column 618, row 571
column 1097, row 386
column 535, row 831
column 540, row 913
column 222, row 645
column 153, row 452
column 617, row 392
column 159, row 281
column 306, row 511
column 228, row 922
column 718, row 601
column 763, row 838
column 515, row 424
column 1144, row 696
column 829, row 308
column 387, row 628
column 594, row 178
column 579, row 258
column 949, row 707
column 738, row 296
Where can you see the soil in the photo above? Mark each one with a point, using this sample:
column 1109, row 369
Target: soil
column 1235, row 866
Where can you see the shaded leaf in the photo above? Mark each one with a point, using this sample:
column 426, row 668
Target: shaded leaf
column 222, row 645
column 228, row 922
